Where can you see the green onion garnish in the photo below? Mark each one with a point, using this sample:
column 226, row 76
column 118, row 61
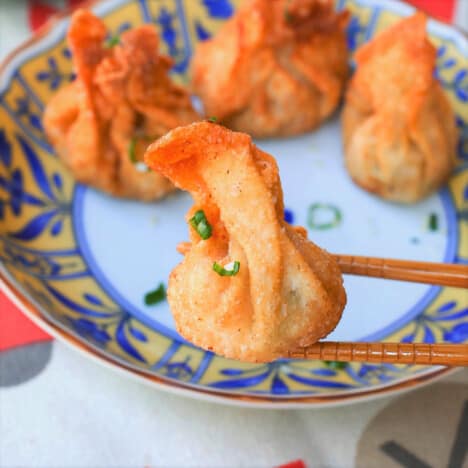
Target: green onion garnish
column 337, row 365
column 140, row 165
column 113, row 41
column 323, row 216
column 229, row 270
column 433, row 222
column 201, row 224
column 212, row 119
column 132, row 150
column 158, row 295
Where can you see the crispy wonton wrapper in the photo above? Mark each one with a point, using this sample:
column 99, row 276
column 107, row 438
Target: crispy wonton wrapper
column 287, row 293
column 121, row 100
column 398, row 126
column 278, row 67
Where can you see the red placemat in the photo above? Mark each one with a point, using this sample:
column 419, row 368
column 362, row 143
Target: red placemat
column 16, row 328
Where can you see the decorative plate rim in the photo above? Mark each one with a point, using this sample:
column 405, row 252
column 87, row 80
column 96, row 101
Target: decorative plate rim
column 32, row 311
column 180, row 389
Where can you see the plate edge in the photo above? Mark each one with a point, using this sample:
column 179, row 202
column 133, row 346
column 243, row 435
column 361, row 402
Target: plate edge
column 313, row 402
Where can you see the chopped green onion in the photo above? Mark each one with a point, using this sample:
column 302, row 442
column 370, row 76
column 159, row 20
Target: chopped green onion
column 197, row 218
column 433, row 222
column 337, row 365
column 132, row 150
column 228, row 270
column 158, row 295
column 212, row 119
column 139, row 165
column 323, row 216
column 113, row 41
column 201, row 224
column 204, row 229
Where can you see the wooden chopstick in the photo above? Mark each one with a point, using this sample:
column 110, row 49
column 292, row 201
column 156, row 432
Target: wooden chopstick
column 440, row 354
column 442, row 274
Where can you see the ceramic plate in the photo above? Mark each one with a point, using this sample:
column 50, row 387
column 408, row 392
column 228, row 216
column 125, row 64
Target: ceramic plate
column 80, row 262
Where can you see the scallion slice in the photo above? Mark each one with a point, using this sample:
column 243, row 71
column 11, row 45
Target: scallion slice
column 201, row 224
column 323, row 216
column 336, row 365
column 113, row 41
column 433, row 222
column 228, row 270
column 156, row 296
column 132, row 150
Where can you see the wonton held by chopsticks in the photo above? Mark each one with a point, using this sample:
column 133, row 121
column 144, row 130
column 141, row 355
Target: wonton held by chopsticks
column 251, row 287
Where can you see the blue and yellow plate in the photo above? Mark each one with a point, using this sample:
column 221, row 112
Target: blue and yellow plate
column 80, row 263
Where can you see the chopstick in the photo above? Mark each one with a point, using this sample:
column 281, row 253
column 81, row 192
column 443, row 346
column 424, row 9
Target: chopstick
column 443, row 354
column 442, row 274
column 440, row 354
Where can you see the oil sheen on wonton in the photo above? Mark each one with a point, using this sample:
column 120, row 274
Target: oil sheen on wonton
column 398, row 126
column 287, row 292
column 121, row 100
column 277, row 68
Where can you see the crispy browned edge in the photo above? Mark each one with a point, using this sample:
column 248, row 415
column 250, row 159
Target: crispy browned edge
column 66, row 336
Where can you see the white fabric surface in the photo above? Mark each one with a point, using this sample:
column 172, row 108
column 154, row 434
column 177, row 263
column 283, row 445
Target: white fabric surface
column 78, row 414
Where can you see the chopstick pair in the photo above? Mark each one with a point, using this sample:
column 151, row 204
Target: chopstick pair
column 396, row 353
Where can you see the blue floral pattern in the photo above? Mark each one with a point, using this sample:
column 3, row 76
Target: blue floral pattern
column 450, row 319
column 279, row 375
column 355, row 33
column 11, row 183
column 54, row 208
column 52, row 76
column 219, row 9
column 459, row 82
column 169, row 35
column 23, row 111
column 179, row 370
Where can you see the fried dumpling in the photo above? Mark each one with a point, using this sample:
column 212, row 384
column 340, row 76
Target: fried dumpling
column 277, row 68
column 121, row 100
column 398, row 126
column 251, row 287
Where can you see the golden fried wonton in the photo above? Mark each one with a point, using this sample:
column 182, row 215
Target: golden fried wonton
column 278, row 67
column 121, row 100
column 398, row 126
column 251, row 287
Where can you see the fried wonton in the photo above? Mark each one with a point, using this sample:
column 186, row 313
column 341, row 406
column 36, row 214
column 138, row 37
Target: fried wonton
column 251, row 287
column 121, row 100
column 398, row 126
column 277, row 68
